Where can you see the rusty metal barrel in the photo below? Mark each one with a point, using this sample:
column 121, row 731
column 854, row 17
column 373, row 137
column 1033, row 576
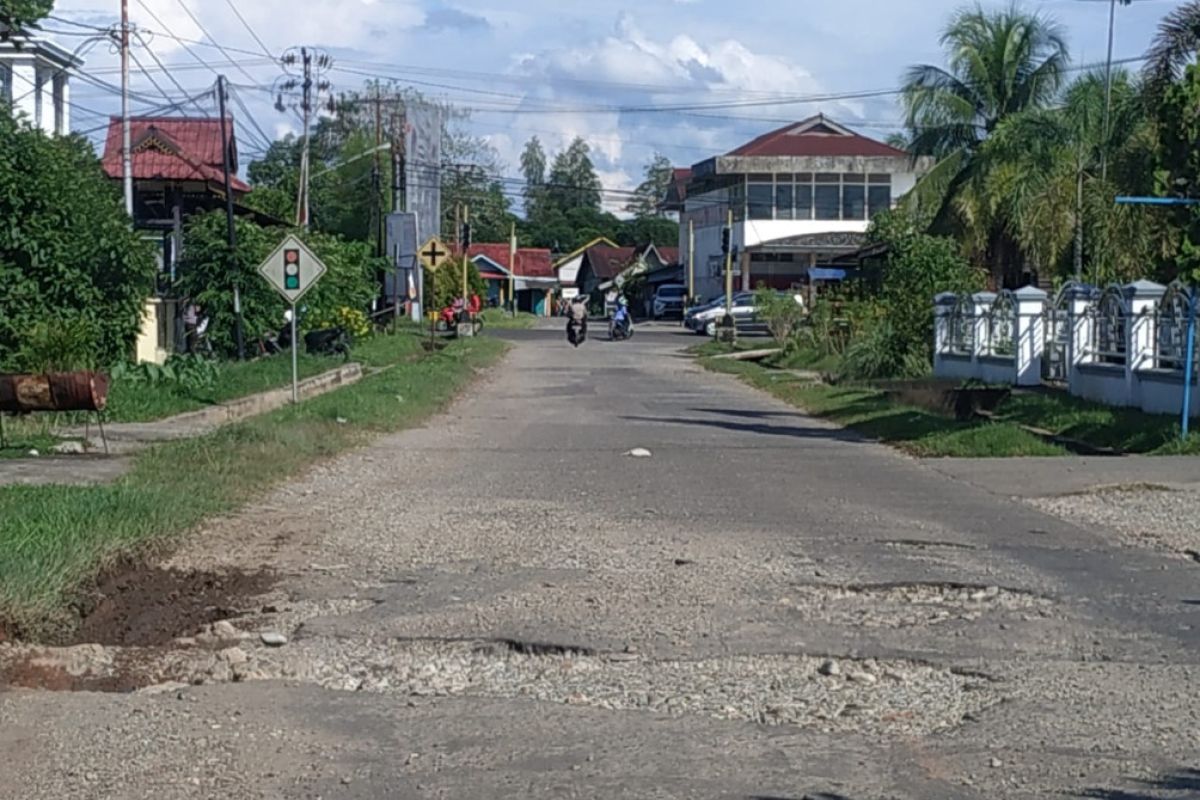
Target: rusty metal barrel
column 54, row 391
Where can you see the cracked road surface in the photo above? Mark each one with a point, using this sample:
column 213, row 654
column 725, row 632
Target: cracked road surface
column 504, row 604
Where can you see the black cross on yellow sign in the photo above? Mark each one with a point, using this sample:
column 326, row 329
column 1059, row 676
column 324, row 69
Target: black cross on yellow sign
column 433, row 253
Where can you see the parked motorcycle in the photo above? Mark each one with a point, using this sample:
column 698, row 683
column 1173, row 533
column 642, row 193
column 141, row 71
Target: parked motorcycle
column 328, row 342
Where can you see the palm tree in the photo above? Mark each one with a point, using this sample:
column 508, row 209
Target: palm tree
column 1048, row 181
column 999, row 63
column 1175, row 46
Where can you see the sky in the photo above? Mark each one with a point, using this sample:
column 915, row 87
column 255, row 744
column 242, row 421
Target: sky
column 687, row 78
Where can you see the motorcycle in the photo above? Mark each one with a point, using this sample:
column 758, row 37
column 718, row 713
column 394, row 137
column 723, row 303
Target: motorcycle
column 620, row 328
column 576, row 332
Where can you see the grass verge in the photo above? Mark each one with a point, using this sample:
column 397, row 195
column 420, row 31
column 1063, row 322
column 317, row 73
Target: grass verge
column 924, row 433
column 55, row 538
column 499, row 319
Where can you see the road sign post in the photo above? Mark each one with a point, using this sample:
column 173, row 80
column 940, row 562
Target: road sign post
column 292, row 269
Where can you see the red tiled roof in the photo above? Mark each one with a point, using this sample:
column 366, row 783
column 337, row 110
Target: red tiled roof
column 609, row 262
column 669, row 255
column 816, row 136
column 532, row 262
column 173, row 149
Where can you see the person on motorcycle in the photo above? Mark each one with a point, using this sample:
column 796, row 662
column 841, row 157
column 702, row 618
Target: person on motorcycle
column 577, row 320
column 621, row 319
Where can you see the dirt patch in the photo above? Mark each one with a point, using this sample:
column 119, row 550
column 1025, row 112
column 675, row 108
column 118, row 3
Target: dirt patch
column 147, row 606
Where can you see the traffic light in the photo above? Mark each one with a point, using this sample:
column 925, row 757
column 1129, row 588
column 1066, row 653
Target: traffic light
column 726, row 239
column 466, row 235
column 291, row 270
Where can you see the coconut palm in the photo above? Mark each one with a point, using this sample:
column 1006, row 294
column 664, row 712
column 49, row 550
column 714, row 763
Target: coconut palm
column 999, row 63
column 1047, row 179
column 1175, row 46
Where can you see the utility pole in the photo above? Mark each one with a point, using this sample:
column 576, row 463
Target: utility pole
column 1108, row 65
column 466, row 246
column 376, row 177
column 691, row 261
column 512, row 268
column 126, row 125
column 305, row 106
column 230, row 227
column 728, row 326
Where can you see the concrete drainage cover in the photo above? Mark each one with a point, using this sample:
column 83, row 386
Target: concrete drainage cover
column 911, row 604
column 886, row 696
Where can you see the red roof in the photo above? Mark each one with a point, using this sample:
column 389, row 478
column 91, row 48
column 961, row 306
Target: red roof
column 173, row 149
column 532, row 262
column 816, row 136
column 669, row 255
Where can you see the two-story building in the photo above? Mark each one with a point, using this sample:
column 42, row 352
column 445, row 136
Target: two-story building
column 800, row 197
column 35, row 80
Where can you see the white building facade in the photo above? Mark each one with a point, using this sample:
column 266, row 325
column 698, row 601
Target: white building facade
column 35, row 81
column 800, row 197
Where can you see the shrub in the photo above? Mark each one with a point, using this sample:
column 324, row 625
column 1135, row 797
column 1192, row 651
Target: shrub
column 187, row 371
column 60, row 345
column 67, row 254
column 780, row 311
column 882, row 351
column 446, row 284
column 208, row 276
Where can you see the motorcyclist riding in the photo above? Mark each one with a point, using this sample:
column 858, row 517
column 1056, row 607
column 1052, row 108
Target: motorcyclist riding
column 622, row 322
column 577, row 320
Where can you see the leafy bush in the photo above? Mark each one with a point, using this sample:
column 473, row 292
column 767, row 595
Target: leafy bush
column 780, row 311
column 208, row 275
column 882, row 351
column 58, row 346
column 446, row 284
column 351, row 319
column 67, row 253
column 186, row 371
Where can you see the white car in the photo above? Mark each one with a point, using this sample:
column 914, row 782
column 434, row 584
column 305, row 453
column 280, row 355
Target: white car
column 705, row 319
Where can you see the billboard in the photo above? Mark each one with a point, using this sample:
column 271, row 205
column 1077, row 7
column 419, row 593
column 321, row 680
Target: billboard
column 423, row 167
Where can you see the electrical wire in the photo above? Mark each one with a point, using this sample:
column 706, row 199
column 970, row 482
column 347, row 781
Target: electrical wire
column 238, row 14
column 172, row 78
column 204, row 30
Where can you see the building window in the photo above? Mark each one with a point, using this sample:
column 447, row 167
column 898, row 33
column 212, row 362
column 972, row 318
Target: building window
column 803, row 196
column 760, row 197
column 879, row 199
column 783, row 198
column 737, row 201
column 854, row 201
column 827, row 197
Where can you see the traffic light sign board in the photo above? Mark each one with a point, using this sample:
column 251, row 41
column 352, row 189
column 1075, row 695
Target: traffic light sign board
column 292, row 269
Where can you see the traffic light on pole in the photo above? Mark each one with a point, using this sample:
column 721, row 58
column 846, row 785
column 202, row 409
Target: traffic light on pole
column 726, row 239
column 466, row 236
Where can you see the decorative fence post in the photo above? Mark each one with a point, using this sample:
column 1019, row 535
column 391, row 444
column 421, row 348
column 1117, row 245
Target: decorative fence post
column 1081, row 325
column 1029, row 334
column 943, row 315
column 982, row 302
column 1141, row 298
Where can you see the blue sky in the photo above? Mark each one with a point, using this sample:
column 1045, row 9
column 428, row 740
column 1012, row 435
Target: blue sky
column 553, row 67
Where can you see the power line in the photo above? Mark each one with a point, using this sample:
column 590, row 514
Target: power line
column 246, row 24
column 172, row 35
column 204, row 30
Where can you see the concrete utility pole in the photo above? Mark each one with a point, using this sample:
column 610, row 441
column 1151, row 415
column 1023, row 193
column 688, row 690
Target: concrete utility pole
column 465, row 240
column 1108, row 65
column 691, row 261
column 512, row 268
column 126, row 125
column 376, row 177
column 729, row 267
column 312, row 65
column 230, row 227
column 305, row 106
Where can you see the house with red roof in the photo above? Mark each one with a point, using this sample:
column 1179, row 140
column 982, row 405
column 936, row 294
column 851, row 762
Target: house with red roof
column 530, row 276
column 178, row 171
column 801, row 196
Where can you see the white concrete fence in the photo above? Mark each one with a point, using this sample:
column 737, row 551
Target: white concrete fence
column 1124, row 346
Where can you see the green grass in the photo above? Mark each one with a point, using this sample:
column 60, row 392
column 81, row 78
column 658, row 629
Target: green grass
column 928, row 434
column 53, row 538
column 500, row 319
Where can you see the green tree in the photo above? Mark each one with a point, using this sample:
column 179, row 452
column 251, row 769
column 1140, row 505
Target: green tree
column 444, row 285
column 573, row 179
column 350, row 280
column 649, row 194
column 1174, row 47
column 1178, row 164
column 67, row 252
column 23, row 13
column 1047, row 180
column 999, row 64
column 533, row 169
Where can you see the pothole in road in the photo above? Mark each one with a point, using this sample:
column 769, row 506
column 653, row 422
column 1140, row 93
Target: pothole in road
column 885, row 696
column 898, row 605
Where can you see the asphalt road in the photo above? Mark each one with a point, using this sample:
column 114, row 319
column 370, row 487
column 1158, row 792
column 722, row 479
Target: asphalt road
column 505, row 603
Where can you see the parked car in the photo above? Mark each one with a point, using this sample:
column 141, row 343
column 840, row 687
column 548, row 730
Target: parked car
column 705, row 319
column 668, row 300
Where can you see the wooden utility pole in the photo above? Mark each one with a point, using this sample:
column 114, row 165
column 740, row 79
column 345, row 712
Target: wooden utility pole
column 230, row 226
column 376, row 177
column 465, row 240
